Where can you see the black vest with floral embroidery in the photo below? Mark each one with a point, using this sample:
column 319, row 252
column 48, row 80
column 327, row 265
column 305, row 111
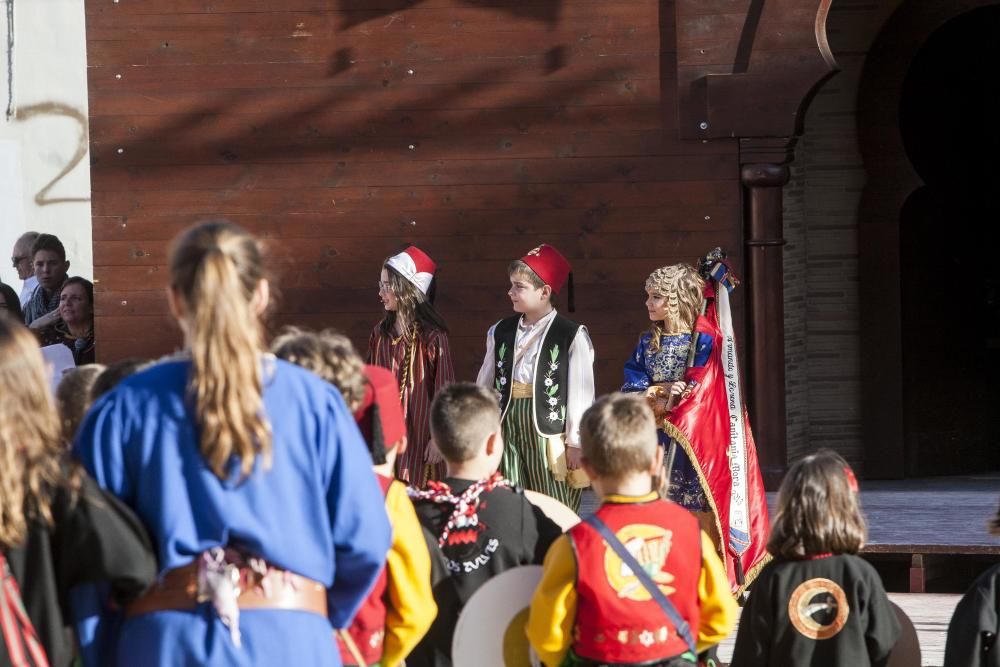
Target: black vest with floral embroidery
column 551, row 371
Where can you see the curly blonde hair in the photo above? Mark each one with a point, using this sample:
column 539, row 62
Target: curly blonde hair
column 73, row 397
column 31, row 448
column 684, row 289
column 328, row 354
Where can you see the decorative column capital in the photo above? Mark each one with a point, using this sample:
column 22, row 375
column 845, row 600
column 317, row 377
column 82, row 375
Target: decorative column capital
column 764, row 175
column 767, row 150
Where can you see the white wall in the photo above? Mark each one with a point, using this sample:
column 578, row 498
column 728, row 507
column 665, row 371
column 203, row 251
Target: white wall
column 47, row 131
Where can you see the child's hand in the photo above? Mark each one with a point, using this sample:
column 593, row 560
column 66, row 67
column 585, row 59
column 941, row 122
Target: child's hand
column 573, row 456
column 655, row 391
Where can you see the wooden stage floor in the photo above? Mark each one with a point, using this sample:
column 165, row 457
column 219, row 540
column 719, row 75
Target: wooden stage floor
column 936, row 511
column 930, row 535
column 950, row 513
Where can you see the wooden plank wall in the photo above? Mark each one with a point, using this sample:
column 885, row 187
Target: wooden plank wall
column 340, row 129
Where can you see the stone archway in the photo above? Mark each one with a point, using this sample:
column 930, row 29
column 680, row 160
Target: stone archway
column 910, row 146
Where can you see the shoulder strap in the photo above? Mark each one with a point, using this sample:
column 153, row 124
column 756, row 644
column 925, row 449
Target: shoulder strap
column 19, row 634
column 683, row 629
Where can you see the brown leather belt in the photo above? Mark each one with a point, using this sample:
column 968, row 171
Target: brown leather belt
column 178, row 589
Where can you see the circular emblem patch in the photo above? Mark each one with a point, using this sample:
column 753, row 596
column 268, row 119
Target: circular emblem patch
column 818, row 608
column 650, row 545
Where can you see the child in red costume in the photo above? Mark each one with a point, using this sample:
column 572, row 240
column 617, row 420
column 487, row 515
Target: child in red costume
column 412, row 342
column 590, row 607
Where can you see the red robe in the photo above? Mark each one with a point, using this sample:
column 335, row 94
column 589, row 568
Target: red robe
column 421, row 367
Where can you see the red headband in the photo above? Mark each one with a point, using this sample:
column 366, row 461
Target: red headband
column 852, row 481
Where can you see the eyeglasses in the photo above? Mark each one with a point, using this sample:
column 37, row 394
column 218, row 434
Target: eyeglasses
column 17, row 260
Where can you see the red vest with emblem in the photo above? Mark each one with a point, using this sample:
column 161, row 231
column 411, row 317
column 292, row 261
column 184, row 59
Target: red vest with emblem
column 616, row 619
column 368, row 627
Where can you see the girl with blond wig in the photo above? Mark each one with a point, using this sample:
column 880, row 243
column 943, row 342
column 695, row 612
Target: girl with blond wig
column 249, row 473
column 658, row 367
column 57, row 528
column 686, row 364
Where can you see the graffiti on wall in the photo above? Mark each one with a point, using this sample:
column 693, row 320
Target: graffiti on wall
column 42, row 197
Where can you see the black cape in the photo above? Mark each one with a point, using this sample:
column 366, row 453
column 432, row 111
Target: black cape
column 975, row 625
column 93, row 538
column 828, row 612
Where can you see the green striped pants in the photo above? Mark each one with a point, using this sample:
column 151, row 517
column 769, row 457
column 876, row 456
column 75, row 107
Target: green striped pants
column 525, row 460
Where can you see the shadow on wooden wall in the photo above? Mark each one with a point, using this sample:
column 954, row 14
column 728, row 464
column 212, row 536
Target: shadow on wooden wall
column 473, row 132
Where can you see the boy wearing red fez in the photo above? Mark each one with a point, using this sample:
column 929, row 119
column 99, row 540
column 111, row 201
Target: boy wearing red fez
column 400, row 607
column 542, row 365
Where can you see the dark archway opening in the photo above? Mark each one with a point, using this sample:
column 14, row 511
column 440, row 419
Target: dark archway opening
column 949, row 119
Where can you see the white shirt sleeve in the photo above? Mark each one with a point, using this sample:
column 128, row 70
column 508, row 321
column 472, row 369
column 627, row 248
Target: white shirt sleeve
column 581, row 384
column 487, row 374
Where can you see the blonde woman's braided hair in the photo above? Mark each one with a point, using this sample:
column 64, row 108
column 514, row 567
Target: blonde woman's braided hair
column 684, row 289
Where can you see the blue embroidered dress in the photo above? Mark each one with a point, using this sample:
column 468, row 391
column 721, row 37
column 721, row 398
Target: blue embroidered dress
column 318, row 511
column 664, row 364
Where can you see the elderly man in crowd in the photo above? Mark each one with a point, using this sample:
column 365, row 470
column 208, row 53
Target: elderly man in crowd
column 24, row 265
column 49, row 258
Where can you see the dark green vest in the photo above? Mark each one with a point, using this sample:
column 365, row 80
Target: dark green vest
column 551, row 385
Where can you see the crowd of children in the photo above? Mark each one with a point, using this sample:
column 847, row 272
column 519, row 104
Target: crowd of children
column 234, row 503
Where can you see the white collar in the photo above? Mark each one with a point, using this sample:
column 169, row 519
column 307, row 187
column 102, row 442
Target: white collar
column 543, row 321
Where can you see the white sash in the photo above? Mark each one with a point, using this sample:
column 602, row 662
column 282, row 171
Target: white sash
column 739, row 508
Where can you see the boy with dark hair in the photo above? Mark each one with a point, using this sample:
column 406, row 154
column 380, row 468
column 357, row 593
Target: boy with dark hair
column 48, row 256
column 482, row 525
column 638, row 583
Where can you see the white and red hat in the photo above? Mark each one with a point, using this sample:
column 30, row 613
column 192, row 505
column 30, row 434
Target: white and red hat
column 414, row 265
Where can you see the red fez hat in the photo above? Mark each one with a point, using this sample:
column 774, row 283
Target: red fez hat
column 414, row 265
column 380, row 416
column 550, row 265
